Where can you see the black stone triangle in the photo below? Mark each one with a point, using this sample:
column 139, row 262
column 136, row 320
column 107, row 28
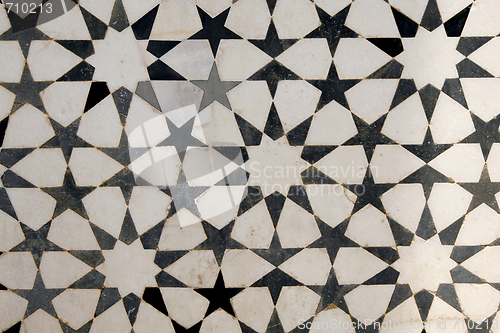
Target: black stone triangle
column 405, row 89
column 153, row 297
column 448, row 294
column 97, row 28
column 105, row 240
column 236, row 178
column 98, row 91
column 238, row 155
column 146, row 92
column 274, row 128
column 11, row 179
column 2, row 287
column 426, row 228
column 165, row 258
column 92, row 280
column 402, row 236
column 122, row 98
column 455, row 25
column 313, row 154
column 453, row 88
column 81, row 72
column 462, row 253
column 424, row 301
column 387, row 276
column 469, row 69
column 9, row 157
column 251, row 135
column 314, row 176
column 128, row 233
column 246, row 329
column 449, row 235
column 181, row 329
column 151, row 238
column 467, row 45
column 142, row 28
column 406, row 26
column 391, row 46
column 401, row 293
column 429, row 96
column 166, row 280
column 108, row 298
column 392, row 70
column 161, row 71
column 298, row 135
column 298, row 194
column 93, row 258
column 274, row 325
column 132, row 303
column 119, row 19
column 432, row 18
column 462, row 275
column 82, row 48
column 275, row 203
column 253, row 197
column 16, row 328
column 158, row 48
column 5, row 204
column 84, row 329
column 387, row 254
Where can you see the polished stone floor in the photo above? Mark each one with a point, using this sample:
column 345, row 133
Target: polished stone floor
column 249, row 166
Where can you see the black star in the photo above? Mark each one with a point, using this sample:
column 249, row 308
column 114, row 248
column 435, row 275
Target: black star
column 183, row 196
column 219, row 296
column 214, row 29
column 272, row 73
column 333, row 88
column 427, row 176
column 66, row 138
column 369, row 135
column 181, row 138
column 332, row 28
column 483, row 191
column 214, row 89
column 219, row 240
column 69, row 196
column 428, row 150
column 368, row 192
column 332, row 293
column 39, row 297
column 275, row 281
column 333, row 238
column 276, row 254
column 27, row 91
column 36, row 242
column 486, row 133
column 272, row 45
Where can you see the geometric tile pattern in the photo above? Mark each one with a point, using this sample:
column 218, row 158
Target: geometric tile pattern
column 250, row 166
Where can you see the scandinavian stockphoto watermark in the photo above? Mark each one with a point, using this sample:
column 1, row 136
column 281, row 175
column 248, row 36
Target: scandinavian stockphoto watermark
column 336, row 325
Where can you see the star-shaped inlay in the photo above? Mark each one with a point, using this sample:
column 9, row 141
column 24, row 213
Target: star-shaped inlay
column 39, row 297
column 214, row 89
column 214, row 29
column 486, row 133
column 66, row 138
column 69, row 196
column 219, row 296
column 27, row 91
column 483, row 191
column 183, row 195
column 219, row 240
column 36, row 242
column 181, row 137
column 273, row 45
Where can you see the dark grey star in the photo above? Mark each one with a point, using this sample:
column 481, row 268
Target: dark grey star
column 39, row 297
column 183, row 195
column 27, row 91
column 483, row 191
column 215, row 89
column 219, row 240
column 181, row 138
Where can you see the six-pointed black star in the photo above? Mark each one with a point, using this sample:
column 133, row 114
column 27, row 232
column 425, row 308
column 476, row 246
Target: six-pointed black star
column 333, row 88
column 36, row 242
column 39, row 297
column 368, row 192
column 219, row 240
column 27, row 91
column 214, row 29
column 66, row 138
column 369, row 136
column 483, row 191
column 219, row 296
column 486, row 133
column 69, row 196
